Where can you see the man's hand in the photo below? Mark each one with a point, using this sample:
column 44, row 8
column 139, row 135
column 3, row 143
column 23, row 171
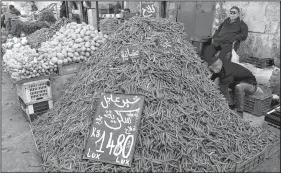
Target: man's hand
column 217, row 81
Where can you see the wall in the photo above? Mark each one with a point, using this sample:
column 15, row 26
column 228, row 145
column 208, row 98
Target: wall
column 171, row 10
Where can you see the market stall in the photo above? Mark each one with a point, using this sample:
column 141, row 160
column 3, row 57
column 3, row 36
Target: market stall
column 179, row 129
column 132, row 97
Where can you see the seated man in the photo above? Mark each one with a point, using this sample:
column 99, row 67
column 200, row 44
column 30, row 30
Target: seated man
column 236, row 77
column 232, row 29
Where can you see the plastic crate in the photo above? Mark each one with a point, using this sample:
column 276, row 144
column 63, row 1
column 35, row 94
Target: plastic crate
column 69, row 68
column 259, row 62
column 257, row 104
column 31, row 112
column 273, row 119
column 34, row 91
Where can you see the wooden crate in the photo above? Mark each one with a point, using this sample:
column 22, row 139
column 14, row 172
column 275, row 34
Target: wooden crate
column 57, row 85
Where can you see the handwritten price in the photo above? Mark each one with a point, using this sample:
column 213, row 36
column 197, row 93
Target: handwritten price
column 118, row 148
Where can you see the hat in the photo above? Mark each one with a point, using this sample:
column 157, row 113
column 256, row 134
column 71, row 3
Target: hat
column 211, row 61
column 236, row 8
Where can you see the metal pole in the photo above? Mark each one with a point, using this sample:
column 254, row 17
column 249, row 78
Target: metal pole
column 98, row 15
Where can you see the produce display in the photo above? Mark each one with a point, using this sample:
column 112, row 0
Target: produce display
column 22, row 62
column 109, row 26
column 47, row 16
column 186, row 124
column 14, row 43
column 72, row 43
column 18, row 27
column 35, row 39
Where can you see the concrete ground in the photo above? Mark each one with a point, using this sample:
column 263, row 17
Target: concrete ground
column 19, row 153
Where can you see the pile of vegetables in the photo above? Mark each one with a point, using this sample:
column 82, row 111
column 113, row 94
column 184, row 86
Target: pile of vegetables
column 14, row 43
column 18, row 27
column 60, row 23
column 109, row 25
column 35, row 39
column 185, row 125
column 47, row 16
column 22, row 62
column 72, row 43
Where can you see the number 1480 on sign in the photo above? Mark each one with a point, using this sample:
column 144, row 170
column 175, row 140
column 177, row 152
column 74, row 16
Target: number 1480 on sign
column 116, row 149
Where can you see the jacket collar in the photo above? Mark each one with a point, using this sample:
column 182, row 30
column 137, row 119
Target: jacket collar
column 236, row 20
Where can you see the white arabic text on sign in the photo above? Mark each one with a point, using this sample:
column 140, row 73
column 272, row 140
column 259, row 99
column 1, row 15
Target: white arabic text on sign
column 129, row 52
column 113, row 132
column 148, row 10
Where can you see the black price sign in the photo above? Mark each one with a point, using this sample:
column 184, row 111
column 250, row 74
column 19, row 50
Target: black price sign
column 130, row 54
column 148, row 10
column 113, row 133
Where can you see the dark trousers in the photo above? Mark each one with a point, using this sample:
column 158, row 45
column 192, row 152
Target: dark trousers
column 238, row 93
column 211, row 51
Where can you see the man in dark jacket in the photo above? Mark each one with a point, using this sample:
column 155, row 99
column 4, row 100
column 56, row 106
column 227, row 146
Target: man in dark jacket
column 232, row 29
column 236, row 77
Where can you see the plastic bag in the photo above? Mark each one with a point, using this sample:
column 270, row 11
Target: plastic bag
column 235, row 57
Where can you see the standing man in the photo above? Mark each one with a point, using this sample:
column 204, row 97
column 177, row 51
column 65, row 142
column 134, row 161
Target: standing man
column 232, row 29
column 236, row 77
column 8, row 16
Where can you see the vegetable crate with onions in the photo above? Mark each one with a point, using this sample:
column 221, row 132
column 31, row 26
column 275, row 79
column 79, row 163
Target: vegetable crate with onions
column 32, row 111
column 34, row 91
column 257, row 104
